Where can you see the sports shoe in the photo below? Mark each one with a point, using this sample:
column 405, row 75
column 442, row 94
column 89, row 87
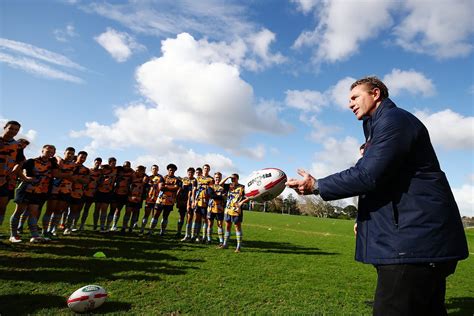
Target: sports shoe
column 237, row 250
column 15, row 239
column 37, row 240
column 186, row 238
column 67, row 231
column 74, row 230
column 223, row 246
column 113, row 229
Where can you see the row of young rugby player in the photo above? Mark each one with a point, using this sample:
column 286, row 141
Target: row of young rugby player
column 68, row 187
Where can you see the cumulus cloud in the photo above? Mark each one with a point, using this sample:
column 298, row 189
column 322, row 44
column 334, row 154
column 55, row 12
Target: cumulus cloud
column 260, row 45
column 305, row 6
column 214, row 105
column 459, row 136
column 119, row 45
column 410, row 81
column 64, row 35
column 464, row 196
column 342, row 27
column 439, row 28
column 31, row 59
column 306, row 100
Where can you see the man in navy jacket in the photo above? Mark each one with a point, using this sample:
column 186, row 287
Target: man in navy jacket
column 408, row 223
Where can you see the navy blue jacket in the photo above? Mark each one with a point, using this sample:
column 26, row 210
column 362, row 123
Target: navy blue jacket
column 407, row 212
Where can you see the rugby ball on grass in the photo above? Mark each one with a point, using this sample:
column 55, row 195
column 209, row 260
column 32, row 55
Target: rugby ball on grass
column 87, row 298
column 265, row 184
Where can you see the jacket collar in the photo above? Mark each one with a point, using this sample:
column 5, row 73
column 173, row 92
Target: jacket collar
column 369, row 120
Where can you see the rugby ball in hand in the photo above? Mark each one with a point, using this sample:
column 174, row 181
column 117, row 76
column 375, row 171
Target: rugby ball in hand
column 87, row 298
column 265, row 184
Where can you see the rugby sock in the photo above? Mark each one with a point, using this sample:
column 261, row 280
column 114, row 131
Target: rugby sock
column 164, row 224
column 14, row 219
column 115, row 219
column 85, row 213
column 154, row 222
column 204, row 230
column 226, row 237
column 2, row 217
column 238, row 236
column 96, row 218
column 180, row 226
column 144, row 221
column 196, row 229
column 209, row 233
column 21, row 222
column 135, row 215
column 33, row 226
column 110, row 218
column 220, row 233
column 126, row 218
column 45, row 221
column 188, row 229
column 102, row 219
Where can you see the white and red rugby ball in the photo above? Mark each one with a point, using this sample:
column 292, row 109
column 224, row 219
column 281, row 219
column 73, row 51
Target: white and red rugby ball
column 265, row 184
column 87, row 298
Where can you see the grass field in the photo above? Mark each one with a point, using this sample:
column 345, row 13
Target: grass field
column 289, row 265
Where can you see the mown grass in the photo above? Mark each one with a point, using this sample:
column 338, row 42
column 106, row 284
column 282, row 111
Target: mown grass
column 289, row 265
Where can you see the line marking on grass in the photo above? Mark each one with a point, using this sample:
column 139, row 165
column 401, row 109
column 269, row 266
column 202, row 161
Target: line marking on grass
column 326, row 234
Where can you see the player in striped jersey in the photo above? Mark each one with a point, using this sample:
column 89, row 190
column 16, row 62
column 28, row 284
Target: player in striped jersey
column 166, row 199
column 135, row 199
column 215, row 209
column 153, row 187
column 35, row 188
column 233, row 210
column 184, row 203
column 201, row 199
column 104, row 194
column 11, row 154
column 90, row 190
column 60, row 193
column 81, row 178
column 122, row 184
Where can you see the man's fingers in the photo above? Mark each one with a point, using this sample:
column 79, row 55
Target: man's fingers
column 302, row 172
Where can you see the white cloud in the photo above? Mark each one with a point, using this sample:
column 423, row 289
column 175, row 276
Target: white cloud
column 320, row 131
column 37, row 68
column 260, row 43
column 119, row 45
column 38, row 53
column 411, row 81
column 336, row 156
column 438, row 28
column 339, row 93
column 64, row 35
column 465, row 199
column 305, row 6
column 460, row 136
column 342, row 26
column 214, row 105
column 306, row 100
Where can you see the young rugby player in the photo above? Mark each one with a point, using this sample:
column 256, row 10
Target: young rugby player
column 201, row 199
column 154, row 186
column 58, row 202
column 134, row 199
column 233, row 210
column 104, row 193
column 166, row 199
column 90, row 190
column 81, row 179
column 40, row 173
column 215, row 209
column 122, row 184
column 11, row 154
column 184, row 201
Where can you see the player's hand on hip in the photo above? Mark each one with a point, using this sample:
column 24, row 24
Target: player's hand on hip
column 302, row 186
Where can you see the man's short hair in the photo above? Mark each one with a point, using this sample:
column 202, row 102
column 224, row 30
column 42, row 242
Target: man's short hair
column 218, row 173
column 98, row 159
column 12, row 123
column 155, row 166
column 112, row 159
column 82, row 152
column 70, row 149
column 141, row 168
column 191, row 169
column 198, row 169
column 49, row 146
column 24, row 141
column 235, row 175
column 206, row 165
column 373, row 82
column 171, row 166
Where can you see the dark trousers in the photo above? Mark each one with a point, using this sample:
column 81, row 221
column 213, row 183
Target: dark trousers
column 412, row 289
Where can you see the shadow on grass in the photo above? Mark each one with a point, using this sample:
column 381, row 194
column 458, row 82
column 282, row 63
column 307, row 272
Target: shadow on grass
column 284, row 248
column 460, row 306
column 25, row 304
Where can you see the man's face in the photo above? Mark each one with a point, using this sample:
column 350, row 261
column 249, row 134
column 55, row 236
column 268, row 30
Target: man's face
column 112, row 163
column 81, row 158
column 171, row 171
column 97, row 163
column 126, row 165
column 48, row 152
column 362, row 101
column 217, row 178
column 68, row 155
column 10, row 131
column 140, row 172
column 206, row 170
column 190, row 174
column 154, row 170
column 199, row 173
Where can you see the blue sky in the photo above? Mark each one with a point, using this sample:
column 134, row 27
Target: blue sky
column 240, row 85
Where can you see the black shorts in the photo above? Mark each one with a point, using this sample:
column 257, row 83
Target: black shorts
column 150, row 205
column 103, row 197
column 234, row 219
column 75, row 201
column 201, row 210
column 60, row 197
column 135, row 205
column 4, row 191
column 120, row 199
column 20, row 195
column 164, row 208
column 35, row 198
column 88, row 199
column 213, row 216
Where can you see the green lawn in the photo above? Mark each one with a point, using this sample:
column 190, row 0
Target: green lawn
column 289, row 264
